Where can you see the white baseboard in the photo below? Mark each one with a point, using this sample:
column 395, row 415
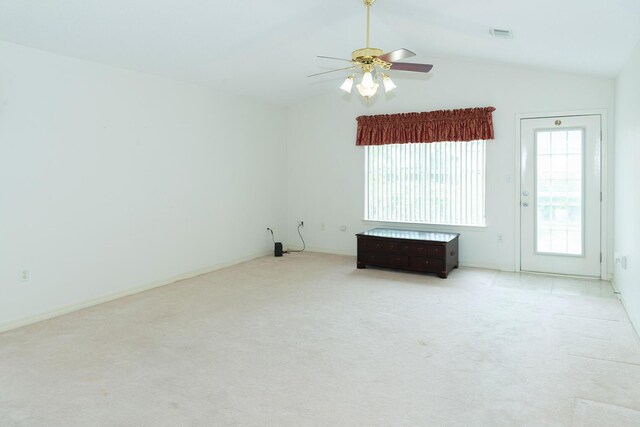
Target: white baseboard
column 322, row 250
column 636, row 326
column 106, row 298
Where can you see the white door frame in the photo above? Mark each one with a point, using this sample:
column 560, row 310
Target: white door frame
column 606, row 215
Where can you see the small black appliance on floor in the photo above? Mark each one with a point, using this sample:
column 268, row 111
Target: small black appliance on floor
column 277, row 246
column 277, row 249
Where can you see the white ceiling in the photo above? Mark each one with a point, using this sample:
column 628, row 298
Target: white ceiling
column 265, row 49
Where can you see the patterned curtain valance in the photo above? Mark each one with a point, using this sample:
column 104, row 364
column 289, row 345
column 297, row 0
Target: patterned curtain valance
column 468, row 124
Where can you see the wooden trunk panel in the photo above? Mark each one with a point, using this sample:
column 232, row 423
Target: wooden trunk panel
column 426, row 264
column 428, row 252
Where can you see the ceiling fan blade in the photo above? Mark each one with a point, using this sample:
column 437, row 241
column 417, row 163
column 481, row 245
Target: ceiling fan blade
column 397, row 55
column 332, row 71
column 332, row 57
column 408, row 66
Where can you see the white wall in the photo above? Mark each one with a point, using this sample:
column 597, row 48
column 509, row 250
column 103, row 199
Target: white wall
column 325, row 168
column 112, row 180
column 627, row 178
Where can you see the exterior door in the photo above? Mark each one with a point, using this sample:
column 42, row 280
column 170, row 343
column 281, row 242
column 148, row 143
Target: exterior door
column 560, row 195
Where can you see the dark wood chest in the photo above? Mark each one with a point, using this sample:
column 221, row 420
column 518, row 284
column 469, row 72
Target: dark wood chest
column 412, row 250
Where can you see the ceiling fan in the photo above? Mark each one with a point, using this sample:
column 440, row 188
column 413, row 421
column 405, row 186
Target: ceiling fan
column 372, row 62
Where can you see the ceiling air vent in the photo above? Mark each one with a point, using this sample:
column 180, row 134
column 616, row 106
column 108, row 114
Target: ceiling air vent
column 503, row 34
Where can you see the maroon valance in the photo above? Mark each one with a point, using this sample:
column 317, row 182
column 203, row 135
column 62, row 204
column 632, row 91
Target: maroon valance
column 469, row 124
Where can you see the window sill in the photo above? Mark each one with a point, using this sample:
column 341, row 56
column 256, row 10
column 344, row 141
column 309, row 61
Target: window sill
column 426, row 226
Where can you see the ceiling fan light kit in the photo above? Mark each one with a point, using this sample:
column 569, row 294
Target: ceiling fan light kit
column 372, row 62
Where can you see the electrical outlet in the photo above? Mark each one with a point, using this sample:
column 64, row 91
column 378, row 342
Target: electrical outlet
column 343, row 228
column 322, row 226
column 500, row 238
column 621, row 260
column 24, row 275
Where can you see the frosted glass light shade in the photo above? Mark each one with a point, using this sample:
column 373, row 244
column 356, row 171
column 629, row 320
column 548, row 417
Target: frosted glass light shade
column 367, row 87
column 367, row 80
column 347, row 85
column 368, row 91
column 388, row 84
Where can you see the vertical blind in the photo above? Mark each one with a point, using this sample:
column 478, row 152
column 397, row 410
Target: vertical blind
column 436, row 183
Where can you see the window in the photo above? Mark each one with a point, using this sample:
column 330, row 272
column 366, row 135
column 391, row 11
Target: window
column 559, row 191
column 435, row 183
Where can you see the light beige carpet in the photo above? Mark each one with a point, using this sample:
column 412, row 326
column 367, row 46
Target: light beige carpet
column 309, row 340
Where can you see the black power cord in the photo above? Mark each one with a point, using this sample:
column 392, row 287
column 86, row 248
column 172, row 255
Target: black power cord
column 272, row 238
column 304, row 246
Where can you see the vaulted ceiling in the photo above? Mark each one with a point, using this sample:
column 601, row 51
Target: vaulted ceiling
column 265, row 49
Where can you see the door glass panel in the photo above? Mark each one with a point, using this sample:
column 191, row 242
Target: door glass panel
column 559, row 182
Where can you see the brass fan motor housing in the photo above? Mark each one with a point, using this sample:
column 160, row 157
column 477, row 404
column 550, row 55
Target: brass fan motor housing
column 366, row 54
column 367, row 58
